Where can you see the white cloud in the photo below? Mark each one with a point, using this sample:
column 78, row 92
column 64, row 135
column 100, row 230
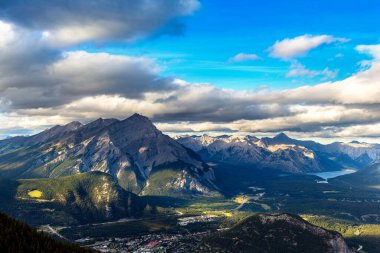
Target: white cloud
column 373, row 50
column 37, row 83
column 242, row 57
column 33, row 74
column 299, row 46
column 298, row 70
column 329, row 73
column 7, row 34
column 324, row 110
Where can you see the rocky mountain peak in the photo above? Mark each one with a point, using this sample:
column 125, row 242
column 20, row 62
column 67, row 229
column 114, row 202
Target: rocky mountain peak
column 55, row 132
column 252, row 138
column 281, row 137
column 135, row 127
column 73, row 125
column 137, row 124
column 206, row 139
column 100, row 123
column 138, row 118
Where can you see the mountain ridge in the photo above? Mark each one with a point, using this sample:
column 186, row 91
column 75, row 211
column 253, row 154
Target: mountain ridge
column 281, row 152
column 127, row 149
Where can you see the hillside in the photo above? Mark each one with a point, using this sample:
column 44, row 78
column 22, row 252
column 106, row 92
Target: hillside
column 275, row 233
column 368, row 177
column 17, row 237
column 91, row 196
column 129, row 150
column 80, row 198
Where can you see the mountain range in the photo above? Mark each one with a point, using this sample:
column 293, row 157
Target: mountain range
column 110, row 169
column 140, row 157
column 144, row 161
column 282, row 153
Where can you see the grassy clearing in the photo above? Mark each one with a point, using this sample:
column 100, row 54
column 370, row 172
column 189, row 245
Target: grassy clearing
column 35, row 194
column 240, row 199
column 202, row 206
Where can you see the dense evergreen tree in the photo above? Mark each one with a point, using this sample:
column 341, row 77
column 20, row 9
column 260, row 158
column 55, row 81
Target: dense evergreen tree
column 18, row 237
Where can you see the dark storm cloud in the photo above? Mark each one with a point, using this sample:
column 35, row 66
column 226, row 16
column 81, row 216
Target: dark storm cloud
column 36, row 72
column 221, row 110
column 73, row 21
column 80, row 74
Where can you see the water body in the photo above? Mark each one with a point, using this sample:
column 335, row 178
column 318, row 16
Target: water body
column 332, row 174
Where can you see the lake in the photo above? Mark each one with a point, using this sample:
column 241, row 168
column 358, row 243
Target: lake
column 332, row 174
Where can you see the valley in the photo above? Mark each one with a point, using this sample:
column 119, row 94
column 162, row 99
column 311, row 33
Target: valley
column 327, row 205
column 108, row 187
column 189, row 126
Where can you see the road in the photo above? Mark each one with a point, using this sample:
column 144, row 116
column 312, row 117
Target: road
column 55, row 232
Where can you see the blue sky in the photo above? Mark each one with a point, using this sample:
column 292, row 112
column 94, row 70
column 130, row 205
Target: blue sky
column 307, row 68
column 221, row 29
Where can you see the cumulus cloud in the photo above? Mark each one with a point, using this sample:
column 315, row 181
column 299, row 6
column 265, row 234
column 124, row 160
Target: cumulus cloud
column 359, row 89
column 242, row 57
column 330, row 109
column 69, row 22
column 299, row 46
column 41, row 86
column 373, row 50
column 299, row 70
column 33, row 74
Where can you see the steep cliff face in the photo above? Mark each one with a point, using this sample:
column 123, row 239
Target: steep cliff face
column 129, row 150
column 276, row 233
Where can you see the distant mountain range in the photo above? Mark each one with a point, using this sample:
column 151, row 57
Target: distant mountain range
column 282, row 153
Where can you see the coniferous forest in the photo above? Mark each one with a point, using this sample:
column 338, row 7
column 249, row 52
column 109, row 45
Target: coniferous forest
column 18, row 237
